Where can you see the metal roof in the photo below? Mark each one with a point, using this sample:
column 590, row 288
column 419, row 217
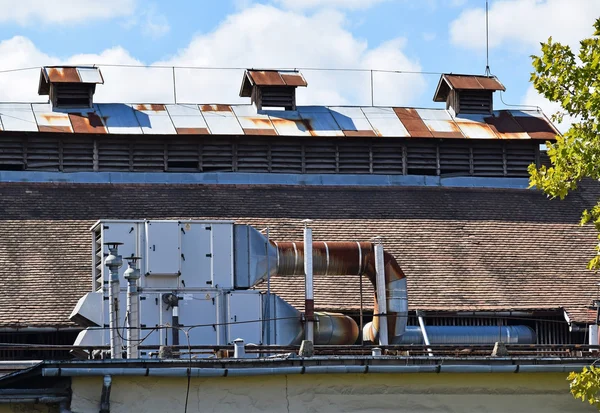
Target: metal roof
column 68, row 74
column 239, row 120
column 284, row 78
column 465, row 82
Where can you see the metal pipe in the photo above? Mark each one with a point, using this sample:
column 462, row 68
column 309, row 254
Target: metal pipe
column 132, row 275
column 105, row 395
column 381, row 295
column 424, row 331
column 352, row 258
column 340, row 369
column 114, row 261
column 309, row 301
column 239, row 349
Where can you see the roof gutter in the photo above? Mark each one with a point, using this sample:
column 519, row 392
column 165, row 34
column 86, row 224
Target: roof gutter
column 272, row 371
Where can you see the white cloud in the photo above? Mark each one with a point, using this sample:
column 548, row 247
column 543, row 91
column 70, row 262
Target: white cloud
column 337, row 4
column 526, row 23
column 150, row 21
column 29, row 12
column 260, row 36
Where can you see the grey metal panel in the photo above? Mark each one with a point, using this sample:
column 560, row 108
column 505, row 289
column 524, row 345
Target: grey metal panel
column 320, row 121
column 222, row 255
column 385, row 122
column 162, row 248
column 245, row 316
column 150, row 308
column 350, row 118
column 251, row 251
column 48, row 119
column 223, row 122
column 287, row 123
column 186, row 116
column 434, row 114
column 18, row 117
column 119, row 118
column 198, row 309
column 196, row 262
column 90, row 75
column 154, row 122
column 249, row 118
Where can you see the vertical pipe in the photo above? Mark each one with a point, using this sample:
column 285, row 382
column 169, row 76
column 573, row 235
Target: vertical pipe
column 424, row 332
column 309, row 303
column 268, row 306
column 381, row 293
column 114, row 261
column 132, row 275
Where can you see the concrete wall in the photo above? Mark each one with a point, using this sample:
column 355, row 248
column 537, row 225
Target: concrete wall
column 414, row 393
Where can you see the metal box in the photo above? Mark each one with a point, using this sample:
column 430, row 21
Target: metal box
column 162, row 248
column 196, row 259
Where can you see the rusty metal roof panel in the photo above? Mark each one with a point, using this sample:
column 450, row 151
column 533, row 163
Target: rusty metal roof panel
column 288, row 122
column 386, row 122
column 252, row 122
column 87, row 122
column 293, row 78
column 440, row 123
column 49, row 121
column 352, row 121
column 320, row 121
column 119, row 118
column 472, row 82
column 154, row 119
column 18, row 117
column 505, row 126
column 221, row 120
column 187, row 119
column 535, row 124
column 475, row 127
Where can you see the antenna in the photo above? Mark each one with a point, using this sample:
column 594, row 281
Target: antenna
column 487, row 39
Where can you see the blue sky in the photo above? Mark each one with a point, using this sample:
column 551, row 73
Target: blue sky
column 413, row 35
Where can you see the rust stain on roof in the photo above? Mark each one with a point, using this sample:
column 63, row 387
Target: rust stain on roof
column 293, row 79
column 505, row 126
column 215, row 108
column 192, row 131
column 466, row 82
column 359, row 133
column 91, row 123
column 61, row 129
column 536, row 128
column 63, row 74
column 266, row 78
column 413, row 123
column 264, row 132
column 151, row 107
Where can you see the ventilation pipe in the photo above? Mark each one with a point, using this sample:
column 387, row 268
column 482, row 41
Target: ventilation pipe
column 353, row 258
column 114, row 261
column 309, row 301
column 132, row 275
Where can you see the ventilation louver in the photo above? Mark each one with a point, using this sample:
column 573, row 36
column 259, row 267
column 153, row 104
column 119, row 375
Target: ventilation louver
column 467, row 94
column 272, row 88
column 70, row 87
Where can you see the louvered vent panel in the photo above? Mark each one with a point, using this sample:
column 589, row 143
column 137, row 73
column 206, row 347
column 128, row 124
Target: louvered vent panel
column 11, row 153
column 488, row 159
column 421, row 157
column 545, row 159
column 286, row 157
column 72, row 95
column 518, row 158
column 353, row 157
column 217, row 156
column 78, row 155
column 148, row 156
column 475, row 101
column 183, row 156
column 113, row 155
column 253, row 156
column 277, row 97
column 320, row 157
column 387, row 157
column 454, row 158
column 98, row 258
column 43, row 153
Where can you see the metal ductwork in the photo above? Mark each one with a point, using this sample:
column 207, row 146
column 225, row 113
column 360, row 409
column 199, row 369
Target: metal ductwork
column 352, row 258
column 483, row 335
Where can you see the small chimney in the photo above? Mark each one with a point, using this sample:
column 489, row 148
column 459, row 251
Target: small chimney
column 70, row 86
column 272, row 88
column 467, row 94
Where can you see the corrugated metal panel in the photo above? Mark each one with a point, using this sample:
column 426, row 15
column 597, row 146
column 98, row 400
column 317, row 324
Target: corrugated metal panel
column 505, row 126
column 62, row 74
column 154, row 119
column 87, row 122
column 252, row 122
column 385, row 122
column 49, row 121
column 469, row 82
column 90, row 75
column 288, row 123
column 320, row 121
column 221, row 120
column 18, row 117
column 440, row 123
column 352, row 121
column 293, row 78
column 266, row 78
column 119, row 118
column 535, row 124
column 475, row 127
column 187, row 119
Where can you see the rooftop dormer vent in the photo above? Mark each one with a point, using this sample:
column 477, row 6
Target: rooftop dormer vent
column 272, row 88
column 70, row 87
column 467, row 94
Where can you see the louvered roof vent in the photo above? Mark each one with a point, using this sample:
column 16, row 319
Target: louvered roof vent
column 70, row 86
column 467, row 94
column 272, row 88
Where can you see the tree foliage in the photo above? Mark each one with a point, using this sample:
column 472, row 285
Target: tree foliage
column 573, row 81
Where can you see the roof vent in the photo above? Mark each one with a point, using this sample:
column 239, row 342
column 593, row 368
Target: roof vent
column 467, row 94
column 272, row 88
column 70, row 87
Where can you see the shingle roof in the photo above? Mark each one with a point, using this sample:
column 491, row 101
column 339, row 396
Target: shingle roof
column 475, row 249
